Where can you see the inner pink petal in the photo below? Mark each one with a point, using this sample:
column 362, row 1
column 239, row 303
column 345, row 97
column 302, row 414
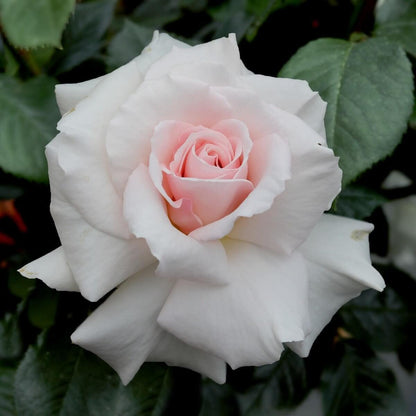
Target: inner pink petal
column 201, row 172
column 211, row 199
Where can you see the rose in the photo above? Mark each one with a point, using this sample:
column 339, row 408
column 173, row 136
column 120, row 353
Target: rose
column 197, row 188
column 401, row 218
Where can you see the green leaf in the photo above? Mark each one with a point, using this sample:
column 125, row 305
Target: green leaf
column 262, row 9
column 56, row 378
column 20, row 286
column 231, row 17
column 357, row 202
column 127, row 44
column 218, row 400
column 412, row 120
column 28, row 118
column 280, row 385
column 30, row 24
column 368, row 87
column 83, row 38
column 391, row 9
column 7, row 407
column 396, row 21
column 42, row 306
column 11, row 345
column 381, row 320
column 360, row 384
column 8, row 191
column 11, row 65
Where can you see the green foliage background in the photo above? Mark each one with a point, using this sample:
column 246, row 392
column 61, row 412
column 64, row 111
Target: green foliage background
column 360, row 56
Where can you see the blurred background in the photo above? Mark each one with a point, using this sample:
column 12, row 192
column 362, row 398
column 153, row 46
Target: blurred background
column 363, row 362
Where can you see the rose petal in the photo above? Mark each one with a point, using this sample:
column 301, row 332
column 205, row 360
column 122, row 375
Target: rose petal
column 98, row 261
column 130, row 130
column 292, row 95
column 69, row 95
column 340, row 244
column 223, row 51
column 179, row 256
column 339, row 268
column 246, row 321
column 227, row 194
column 269, row 167
column 123, row 331
column 315, row 181
column 53, row 270
column 81, row 153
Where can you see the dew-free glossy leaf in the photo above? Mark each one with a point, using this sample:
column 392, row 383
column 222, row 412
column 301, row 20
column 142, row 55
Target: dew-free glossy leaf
column 280, row 385
column 381, row 319
column 360, row 384
column 83, row 37
column 7, row 407
column 31, row 24
column 369, row 90
column 28, row 118
column 56, row 378
column 357, row 202
column 127, row 44
column 11, row 344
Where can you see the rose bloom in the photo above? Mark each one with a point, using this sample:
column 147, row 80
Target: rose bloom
column 197, row 189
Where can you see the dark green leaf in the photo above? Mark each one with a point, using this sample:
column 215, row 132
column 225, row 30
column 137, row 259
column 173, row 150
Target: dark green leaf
column 231, row 17
column 357, row 202
column 56, row 378
column 412, row 120
column 8, row 191
column 380, row 319
column 11, row 345
column 19, row 285
column 391, row 9
column 42, row 306
column 30, row 24
column 360, row 384
column 368, row 87
column 280, row 385
column 148, row 13
column 262, row 9
column 396, row 21
column 28, row 118
column 218, row 400
column 11, row 65
column 127, row 44
column 7, row 407
column 83, row 37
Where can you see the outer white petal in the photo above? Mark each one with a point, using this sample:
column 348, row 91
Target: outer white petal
column 314, row 183
column 123, row 331
column 86, row 183
column 69, row 95
column 223, row 51
column 98, row 261
column 246, row 321
column 339, row 269
column 53, row 270
column 292, row 95
column 180, row 256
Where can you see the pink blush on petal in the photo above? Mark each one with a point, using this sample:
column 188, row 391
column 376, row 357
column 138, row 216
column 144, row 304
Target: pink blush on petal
column 201, row 172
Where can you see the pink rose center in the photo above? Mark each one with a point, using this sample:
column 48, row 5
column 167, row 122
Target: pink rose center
column 201, row 172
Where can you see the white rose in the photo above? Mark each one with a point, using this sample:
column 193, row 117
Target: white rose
column 401, row 218
column 197, row 188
